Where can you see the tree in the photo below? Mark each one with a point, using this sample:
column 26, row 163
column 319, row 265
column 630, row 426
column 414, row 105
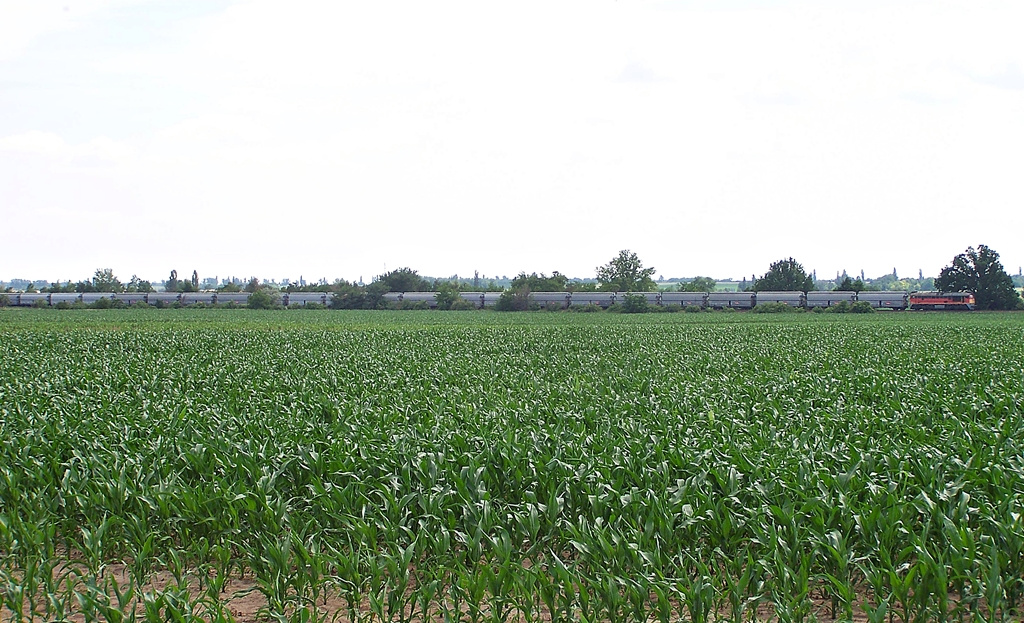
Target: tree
column 171, row 285
column 447, row 294
column 57, row 286
column 403, row 280
column 848, row 285
column 785, row 276
column 374, row 298
column 625, row 273
column 517, row 299
column 105, row 281
column 195, row 281
column 347, row 295
column 263, row 298
column 981, row 273
column 138, row 285
column 698, row 284
column 557, row 282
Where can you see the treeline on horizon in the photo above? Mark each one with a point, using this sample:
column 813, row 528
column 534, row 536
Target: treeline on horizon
column 409, row 280
column 978, row 271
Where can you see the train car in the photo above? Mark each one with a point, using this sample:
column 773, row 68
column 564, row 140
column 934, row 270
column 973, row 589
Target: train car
column 582, row 299
column 653, row 298
column 552, row 300
column 191, row 298
column 29, row 299
column 685, row 299
column 828, row 298
column 885, row 299
column 305, row 298
column 490, row 299
column 238, row 298
column 65, row 297
column 162, row 298
column 731, row 300
column 131, row 298
column 408, row 298
column 90, row 298
column 793, row 299
column 476, row 298
column 963, row 301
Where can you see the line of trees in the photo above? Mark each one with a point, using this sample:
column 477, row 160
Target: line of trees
column 103, row 280
column 978, row 271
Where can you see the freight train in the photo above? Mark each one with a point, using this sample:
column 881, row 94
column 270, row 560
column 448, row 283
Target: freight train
column 896, row 300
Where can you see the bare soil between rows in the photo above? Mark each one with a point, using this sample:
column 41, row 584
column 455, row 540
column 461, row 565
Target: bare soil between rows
column 242, row 598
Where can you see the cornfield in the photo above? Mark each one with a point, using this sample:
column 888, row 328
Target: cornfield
column 371, row 467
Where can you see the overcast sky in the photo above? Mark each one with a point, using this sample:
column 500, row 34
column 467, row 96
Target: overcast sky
column 342, row 139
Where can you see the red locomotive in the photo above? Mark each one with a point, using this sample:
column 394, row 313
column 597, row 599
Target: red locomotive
column 942, row 300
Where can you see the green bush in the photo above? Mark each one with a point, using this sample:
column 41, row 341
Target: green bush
column 410, row 305
column 519, row 299
column 635, row 304
column 589, row 308
column 773, row 308
column 4, row 300
column 262, row 299
column 63, row 305
column 447, row 294
column 461, row 304
column 842, row 307
column 693, row 309
column 862, row 307
column 40, row 303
